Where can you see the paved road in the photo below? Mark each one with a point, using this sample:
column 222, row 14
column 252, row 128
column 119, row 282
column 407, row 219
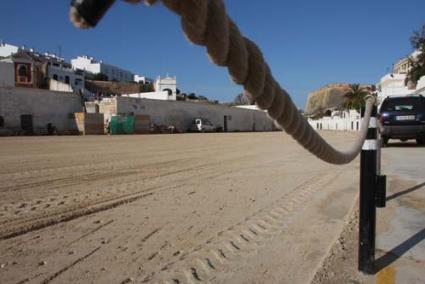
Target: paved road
column 400, row 232
column 401, row 225
column 241, row 207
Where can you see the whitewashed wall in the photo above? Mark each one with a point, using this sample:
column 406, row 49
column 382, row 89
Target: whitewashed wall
column 7, row 49
column 7, row 74
column 45, row 107
column 151, row 95
column 76, row 81
column 180, row 114
column 339, row 120
column 59, row 86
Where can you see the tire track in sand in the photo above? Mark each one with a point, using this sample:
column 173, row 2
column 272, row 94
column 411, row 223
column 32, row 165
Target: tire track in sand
column 232, row 247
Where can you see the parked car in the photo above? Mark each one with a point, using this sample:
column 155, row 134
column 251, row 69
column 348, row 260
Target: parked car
column 403, row 118
column 202, row 125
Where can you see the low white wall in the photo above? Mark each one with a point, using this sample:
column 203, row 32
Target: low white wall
column 7, row 74
column 163, row 95
column 180, row 114
column 340, row 120
column 45, row 106
column 421, row 83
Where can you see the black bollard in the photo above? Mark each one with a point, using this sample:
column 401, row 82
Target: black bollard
column 367, row 214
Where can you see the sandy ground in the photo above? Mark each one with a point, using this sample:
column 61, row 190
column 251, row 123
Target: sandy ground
column 223, row 208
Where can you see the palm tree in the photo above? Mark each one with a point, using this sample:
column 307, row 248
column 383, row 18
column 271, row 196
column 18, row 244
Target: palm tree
column 417, row 69
column 354, row 97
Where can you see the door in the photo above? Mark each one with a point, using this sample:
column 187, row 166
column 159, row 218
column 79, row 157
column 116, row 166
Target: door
column 225, row 124
column 26, row 123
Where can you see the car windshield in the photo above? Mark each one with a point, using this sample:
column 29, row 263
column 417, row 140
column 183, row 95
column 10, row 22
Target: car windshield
column 402, row 104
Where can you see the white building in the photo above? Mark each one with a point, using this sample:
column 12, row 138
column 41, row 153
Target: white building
column 420, row 87
column 403, row 65
column 142, row 79
column 67, row 75
column 7, row 49
column 165, row 90
column 61, row 72
column 168, row 84
column 393, row 84
column 89, row 64
column 29, row 69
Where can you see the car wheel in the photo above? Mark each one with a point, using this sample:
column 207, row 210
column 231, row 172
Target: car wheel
column 420, row 141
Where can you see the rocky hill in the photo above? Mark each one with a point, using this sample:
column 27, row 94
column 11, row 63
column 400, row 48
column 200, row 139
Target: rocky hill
column 328, row 97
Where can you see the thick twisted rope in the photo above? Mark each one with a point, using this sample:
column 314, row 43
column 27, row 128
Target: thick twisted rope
column 205, row 22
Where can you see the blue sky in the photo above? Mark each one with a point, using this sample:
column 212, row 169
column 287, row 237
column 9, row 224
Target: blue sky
column 307, row 44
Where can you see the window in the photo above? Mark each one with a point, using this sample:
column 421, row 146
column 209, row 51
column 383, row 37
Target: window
column 67, row 79
column 55, row 77
column 404, row 107
column 77, row 81
column 1, row 122
column 401, row 104
column 23, row 73
column 22, row 70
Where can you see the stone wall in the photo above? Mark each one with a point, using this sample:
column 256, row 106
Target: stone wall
column 41, row 106
column 180, row 114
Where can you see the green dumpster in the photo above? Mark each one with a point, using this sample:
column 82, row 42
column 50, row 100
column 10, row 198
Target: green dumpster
column 122, row 124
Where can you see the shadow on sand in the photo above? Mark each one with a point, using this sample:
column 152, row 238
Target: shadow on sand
column 406, row 191
column 402, row 248
column 399, row 250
